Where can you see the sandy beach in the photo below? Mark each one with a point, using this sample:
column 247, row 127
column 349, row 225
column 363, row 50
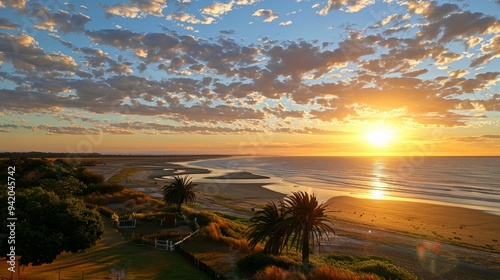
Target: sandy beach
column 461, row 226
column 407, row 232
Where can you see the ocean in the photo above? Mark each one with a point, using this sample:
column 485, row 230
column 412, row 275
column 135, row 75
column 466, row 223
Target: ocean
column 470, row 182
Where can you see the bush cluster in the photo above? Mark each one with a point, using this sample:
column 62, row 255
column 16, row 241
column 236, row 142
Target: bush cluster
column 325, row 272
column 379, row 266
column 255, row 262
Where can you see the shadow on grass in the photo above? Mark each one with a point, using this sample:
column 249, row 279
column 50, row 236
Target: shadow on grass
column 113, row 256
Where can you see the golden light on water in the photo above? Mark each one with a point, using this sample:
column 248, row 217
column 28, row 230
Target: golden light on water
column 378, row 186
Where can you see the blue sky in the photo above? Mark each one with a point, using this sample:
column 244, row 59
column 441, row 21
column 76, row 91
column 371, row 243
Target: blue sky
column 205, row 76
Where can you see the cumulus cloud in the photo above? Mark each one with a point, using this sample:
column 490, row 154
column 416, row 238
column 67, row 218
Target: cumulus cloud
column 245, row 2
column 460, row 25
column 481, row 82
column 267, row 14
column 415, row 73
column 156, row 47
column 33, row 58
column 458, row 73
column 184, row 17
column 430, row 10
column 15, row 4
column 388, row 19
column 489, row 50
column 138, row 8
column 225, row 85
column 472, row 41
column 447, row 57
column 350, row 6
column 227, row 32
column 7, row 24
column 217, row 9
column 63, row 21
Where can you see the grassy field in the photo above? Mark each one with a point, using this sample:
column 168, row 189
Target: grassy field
column 114, row 256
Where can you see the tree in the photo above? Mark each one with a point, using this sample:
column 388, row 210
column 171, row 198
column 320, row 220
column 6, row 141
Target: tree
column 65, row 187
column 180, row 191
column 301, row 221
column 48, row 225
column 263, row 228
column 305, row 221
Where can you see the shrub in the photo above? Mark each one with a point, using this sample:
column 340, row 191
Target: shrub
column 130, row 196
column 276, row 273
column 238, row 220
column 259, row 261
column 105, row 211
column 379, row 266
column 342, row 258
column 150, row 217
column 243, row 246
column 203, row 218
column 327, row 272
column 385, row 270
column 88, row 177
column 110, row 189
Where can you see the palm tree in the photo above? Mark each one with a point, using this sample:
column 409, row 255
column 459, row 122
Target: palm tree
column 263, row 228
column 305, row 221
column 180, row 191
column 299, row 221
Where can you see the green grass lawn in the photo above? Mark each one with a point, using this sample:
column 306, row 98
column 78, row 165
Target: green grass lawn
column 113, row 255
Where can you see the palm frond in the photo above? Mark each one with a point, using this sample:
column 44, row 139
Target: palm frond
column 181, row 190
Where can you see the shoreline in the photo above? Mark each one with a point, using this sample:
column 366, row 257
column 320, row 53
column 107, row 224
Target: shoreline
column 410, row 233
column 286, row 186
column 434, row 221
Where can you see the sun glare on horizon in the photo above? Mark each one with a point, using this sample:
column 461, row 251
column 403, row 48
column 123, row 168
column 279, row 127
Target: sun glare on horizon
column 380, row 137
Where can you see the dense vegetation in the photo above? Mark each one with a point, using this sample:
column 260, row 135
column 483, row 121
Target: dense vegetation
column 51, row 216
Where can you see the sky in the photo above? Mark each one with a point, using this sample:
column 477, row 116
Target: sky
column 251, row 77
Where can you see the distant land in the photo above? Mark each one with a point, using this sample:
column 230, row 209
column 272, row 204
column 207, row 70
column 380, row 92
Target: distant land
column 34, row 154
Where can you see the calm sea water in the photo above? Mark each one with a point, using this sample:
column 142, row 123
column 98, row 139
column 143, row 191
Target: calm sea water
column 472, row 182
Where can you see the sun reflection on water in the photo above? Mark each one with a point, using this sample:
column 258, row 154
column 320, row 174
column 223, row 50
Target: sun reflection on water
column 378, row 187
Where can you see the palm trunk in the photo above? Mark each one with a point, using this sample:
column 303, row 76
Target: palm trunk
column 305, row 251
column 179, row 205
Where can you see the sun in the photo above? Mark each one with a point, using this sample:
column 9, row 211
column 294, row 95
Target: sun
column 380, row 137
